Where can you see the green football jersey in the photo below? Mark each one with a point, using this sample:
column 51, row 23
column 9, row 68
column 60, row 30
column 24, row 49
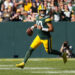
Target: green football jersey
column 43, row 22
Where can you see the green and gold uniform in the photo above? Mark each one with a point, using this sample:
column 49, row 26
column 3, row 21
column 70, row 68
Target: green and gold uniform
column 42, row 36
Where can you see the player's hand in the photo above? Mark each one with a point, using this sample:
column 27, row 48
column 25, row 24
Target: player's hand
column 35, row 25
column 39, row 27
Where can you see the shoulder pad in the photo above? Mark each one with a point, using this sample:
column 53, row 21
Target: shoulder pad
column 48, row 19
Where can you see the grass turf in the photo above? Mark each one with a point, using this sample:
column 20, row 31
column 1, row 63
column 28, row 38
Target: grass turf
column 38, row 66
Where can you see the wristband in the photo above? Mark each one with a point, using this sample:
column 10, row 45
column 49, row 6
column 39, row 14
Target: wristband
column 45, row 29
column 32, row 27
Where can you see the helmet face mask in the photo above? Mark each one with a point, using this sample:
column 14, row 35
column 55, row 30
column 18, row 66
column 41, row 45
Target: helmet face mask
column 42, row 13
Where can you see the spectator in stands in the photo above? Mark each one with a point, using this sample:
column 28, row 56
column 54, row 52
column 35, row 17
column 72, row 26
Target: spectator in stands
column 67, row 1
column 16, row 16
column 33, row 0
column 1, row 3
column 48, row 7
column 61, row 6
column 7, row 4
column 33, row 9
column 45, row 4
column 65, row 7
column 18, row 3
column 56, row 14
column 55, row 2
column 41, row 4
column 1, row 19
column 29, row 18
column 27, row 6
column 73, row 12
column 70, row 6
column 66, row 14
column 59, row 1
column 37, row 2
column 25, row 17
column 6, row 15
column 52, row 5
column 7, row 10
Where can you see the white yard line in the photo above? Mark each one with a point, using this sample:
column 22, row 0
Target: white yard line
column 11, row 66
column 28, row 68
column 54, row 72
column 37, row 69
column 7, row 65
column 31, row 70
column 36, row 59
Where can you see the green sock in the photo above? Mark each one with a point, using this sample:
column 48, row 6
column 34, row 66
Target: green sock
column 55, row 52
column 28, row 54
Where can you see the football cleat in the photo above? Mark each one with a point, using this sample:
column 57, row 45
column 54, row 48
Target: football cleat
column 20, row 65
column 64, row 56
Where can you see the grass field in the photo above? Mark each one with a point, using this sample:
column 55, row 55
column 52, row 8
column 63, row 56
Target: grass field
column 38, row 66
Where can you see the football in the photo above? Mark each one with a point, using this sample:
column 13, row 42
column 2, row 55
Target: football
column 29, row 32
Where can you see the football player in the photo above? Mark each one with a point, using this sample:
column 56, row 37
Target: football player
column 73, row 12
column 44, row 27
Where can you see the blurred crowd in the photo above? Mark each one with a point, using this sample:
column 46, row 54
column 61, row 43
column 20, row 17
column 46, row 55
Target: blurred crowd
column 27, row 10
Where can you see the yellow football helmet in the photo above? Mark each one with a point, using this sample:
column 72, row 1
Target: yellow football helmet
column 41, row 10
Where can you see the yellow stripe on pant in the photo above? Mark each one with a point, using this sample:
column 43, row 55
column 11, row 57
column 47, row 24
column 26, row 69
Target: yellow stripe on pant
column 37, row 41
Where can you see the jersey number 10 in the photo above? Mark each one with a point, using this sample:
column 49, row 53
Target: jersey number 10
column 39, row 23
